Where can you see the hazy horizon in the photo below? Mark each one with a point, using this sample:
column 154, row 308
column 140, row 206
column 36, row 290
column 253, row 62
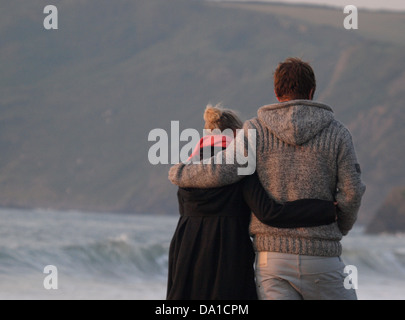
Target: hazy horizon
column 396, row 5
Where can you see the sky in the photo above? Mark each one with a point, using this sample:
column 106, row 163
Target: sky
column 369, row 4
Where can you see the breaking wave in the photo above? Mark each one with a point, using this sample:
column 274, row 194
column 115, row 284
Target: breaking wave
column 120, row 257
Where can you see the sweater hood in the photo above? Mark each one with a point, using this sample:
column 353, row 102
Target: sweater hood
column 296, row 122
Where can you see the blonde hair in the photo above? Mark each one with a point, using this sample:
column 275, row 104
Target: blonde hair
column 216, row 117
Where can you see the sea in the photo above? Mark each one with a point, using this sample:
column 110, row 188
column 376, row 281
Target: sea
column 52, row 255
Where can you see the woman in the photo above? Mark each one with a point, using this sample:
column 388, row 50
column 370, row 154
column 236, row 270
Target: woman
column 211, row 255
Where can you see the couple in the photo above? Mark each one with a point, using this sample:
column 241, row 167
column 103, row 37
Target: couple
column 305, row 161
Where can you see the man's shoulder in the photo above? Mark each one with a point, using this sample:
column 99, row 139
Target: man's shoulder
column 253, row 123
column 339, row 128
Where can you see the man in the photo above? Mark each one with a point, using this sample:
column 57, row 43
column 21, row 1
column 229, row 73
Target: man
column 301, row 152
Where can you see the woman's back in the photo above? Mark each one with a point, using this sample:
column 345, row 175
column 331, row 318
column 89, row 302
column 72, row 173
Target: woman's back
column 211, row 255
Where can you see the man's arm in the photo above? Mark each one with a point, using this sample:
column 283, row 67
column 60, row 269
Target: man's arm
column 227, row 167
column 296, row 214
column 350, row 188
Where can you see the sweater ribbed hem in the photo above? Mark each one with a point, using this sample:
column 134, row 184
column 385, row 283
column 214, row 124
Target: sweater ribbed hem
column 308, row 247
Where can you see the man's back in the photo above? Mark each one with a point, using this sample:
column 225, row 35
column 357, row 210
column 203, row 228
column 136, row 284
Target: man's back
column 303, row 152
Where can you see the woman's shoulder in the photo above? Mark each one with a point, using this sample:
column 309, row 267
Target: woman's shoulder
column 206, row 192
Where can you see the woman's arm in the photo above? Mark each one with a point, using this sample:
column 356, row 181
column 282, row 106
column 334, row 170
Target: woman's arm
column 225, row 168
column 295, row 214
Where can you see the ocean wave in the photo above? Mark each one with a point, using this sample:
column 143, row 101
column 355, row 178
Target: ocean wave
column 118, row 256
column 385, row 262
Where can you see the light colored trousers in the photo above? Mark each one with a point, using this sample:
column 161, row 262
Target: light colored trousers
column 281, row 276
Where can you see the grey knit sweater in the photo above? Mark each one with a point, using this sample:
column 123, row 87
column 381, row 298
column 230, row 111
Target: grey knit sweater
column 301, row 152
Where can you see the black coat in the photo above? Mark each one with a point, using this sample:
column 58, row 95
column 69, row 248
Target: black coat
column 211, row 255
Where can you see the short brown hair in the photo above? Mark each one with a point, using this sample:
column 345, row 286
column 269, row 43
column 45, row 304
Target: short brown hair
column 294, row 79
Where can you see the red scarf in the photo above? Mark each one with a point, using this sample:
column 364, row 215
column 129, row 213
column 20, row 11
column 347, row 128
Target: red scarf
column 222, row 141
